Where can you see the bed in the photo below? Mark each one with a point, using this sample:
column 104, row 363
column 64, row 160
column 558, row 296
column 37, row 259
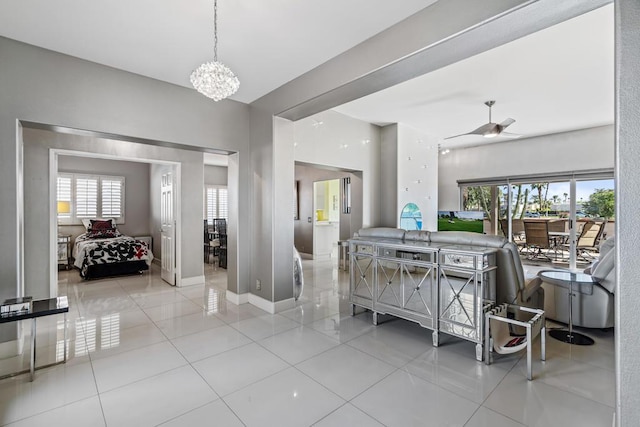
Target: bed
column 103, row 252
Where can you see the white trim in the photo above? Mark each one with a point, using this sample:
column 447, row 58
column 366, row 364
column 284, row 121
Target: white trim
column 262, row 303
column 190, row 281
column 237, row 299
column 53, row 223
column 271, row 307
column 285, row 304
column 53, row 235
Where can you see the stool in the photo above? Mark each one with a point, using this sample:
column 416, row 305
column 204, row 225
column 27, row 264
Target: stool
column 499, row 338
column 343, row 254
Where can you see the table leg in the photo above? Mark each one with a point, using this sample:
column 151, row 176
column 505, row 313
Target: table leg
column 32, row 360
column 569, row 336
column 529, row 345
column 65, row 339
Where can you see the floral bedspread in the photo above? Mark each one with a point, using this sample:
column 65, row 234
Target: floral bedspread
column 91, row 251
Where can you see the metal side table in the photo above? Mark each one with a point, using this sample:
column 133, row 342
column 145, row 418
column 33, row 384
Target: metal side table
column 580, row 282
column 40, row 308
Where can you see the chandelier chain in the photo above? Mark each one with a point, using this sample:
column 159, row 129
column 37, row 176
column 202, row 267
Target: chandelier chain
column 214, row 79
column 215, row 30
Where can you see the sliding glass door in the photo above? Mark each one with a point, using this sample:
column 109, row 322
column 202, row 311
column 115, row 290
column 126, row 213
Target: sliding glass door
column 565, row 203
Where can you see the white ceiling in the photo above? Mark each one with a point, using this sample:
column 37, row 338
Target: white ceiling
column 265, row 42
column 559, row 79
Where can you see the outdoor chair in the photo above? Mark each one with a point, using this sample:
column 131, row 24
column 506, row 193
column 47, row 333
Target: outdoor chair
column 537, row 237
column 517, row 232
column 589, row 239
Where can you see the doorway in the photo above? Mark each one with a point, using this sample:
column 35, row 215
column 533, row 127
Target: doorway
column 326, row 219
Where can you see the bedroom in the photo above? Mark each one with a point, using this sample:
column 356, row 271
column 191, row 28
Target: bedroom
column 141, row 169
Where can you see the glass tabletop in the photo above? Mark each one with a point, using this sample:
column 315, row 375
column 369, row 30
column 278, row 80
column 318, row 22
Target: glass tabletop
column 567, row 276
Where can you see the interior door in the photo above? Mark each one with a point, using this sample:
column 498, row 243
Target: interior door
column 167, row 231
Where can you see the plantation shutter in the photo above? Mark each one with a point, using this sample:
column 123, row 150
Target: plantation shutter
column 86, row 197
column 223, row 206
column 111, row 192
column 64, row 193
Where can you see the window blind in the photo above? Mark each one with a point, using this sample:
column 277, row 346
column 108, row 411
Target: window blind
column 86, row 197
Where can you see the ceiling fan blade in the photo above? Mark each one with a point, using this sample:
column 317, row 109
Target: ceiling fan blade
column 455, row 136
column 510, row 135
column 507, row 122
column 482, row 130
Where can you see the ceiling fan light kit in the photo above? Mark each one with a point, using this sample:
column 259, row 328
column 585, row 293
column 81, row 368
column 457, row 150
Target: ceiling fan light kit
column 491, row 130
column 214, row 79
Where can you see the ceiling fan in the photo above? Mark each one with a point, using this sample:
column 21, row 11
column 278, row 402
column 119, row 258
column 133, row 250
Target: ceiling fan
column 491, row 130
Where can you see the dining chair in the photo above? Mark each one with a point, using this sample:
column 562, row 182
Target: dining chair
column 211, row 244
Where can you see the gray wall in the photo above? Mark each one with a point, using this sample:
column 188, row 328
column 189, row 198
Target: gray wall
column 136, row 193
column 306, row 175
column 389, row 176
column 36, row 153
column 215, row 175
column 262, row 203
column 627, row 208
column 41, row 86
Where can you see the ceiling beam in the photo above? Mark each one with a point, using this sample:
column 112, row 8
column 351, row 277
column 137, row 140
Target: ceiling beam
column 437, row 36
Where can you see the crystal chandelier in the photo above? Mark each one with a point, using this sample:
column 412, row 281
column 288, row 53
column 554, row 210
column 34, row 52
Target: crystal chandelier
column 214, row 79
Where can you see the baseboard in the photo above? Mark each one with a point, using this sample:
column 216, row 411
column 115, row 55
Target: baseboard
column 271, row 307
column 285, row 304
column 190, row 281
column 305, row 255
column 237, row 299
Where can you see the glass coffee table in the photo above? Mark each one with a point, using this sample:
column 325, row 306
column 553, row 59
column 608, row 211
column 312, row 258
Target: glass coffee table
column 574, row 282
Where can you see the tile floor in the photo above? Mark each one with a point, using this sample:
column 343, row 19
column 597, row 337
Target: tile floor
column 143, row 353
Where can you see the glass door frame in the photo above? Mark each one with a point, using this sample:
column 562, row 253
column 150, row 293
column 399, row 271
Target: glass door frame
column 572, row 178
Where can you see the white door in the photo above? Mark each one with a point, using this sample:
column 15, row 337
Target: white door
column 167, row 232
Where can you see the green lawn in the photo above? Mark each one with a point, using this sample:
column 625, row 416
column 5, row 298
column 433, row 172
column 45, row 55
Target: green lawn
column 475, row 225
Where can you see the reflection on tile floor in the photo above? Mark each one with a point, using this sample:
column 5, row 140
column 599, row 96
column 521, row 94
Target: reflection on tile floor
column 144, row 353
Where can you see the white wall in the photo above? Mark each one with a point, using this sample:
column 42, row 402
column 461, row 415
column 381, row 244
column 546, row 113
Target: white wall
column 418, row 174
column 324, row 144
column 563, row 152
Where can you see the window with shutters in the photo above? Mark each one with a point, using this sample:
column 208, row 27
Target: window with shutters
column 90, row 196
column 215, row 203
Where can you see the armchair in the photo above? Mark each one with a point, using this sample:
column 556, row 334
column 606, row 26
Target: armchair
column 593, row 308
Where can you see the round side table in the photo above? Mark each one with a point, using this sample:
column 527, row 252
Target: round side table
column 579, row 282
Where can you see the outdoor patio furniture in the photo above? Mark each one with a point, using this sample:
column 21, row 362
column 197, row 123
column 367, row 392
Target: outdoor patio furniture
column 517, row 232
column 537, row 237
column 589, row 239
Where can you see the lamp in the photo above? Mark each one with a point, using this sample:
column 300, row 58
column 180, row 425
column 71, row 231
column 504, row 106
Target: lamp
column 214, row 79
column 64, row 207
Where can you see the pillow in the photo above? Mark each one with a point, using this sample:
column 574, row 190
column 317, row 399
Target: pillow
column 101, row 224
column 87, row 222
column 103, row 233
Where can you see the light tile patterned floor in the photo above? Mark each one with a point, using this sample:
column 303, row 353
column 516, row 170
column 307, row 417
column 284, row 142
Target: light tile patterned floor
column 143, row 353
